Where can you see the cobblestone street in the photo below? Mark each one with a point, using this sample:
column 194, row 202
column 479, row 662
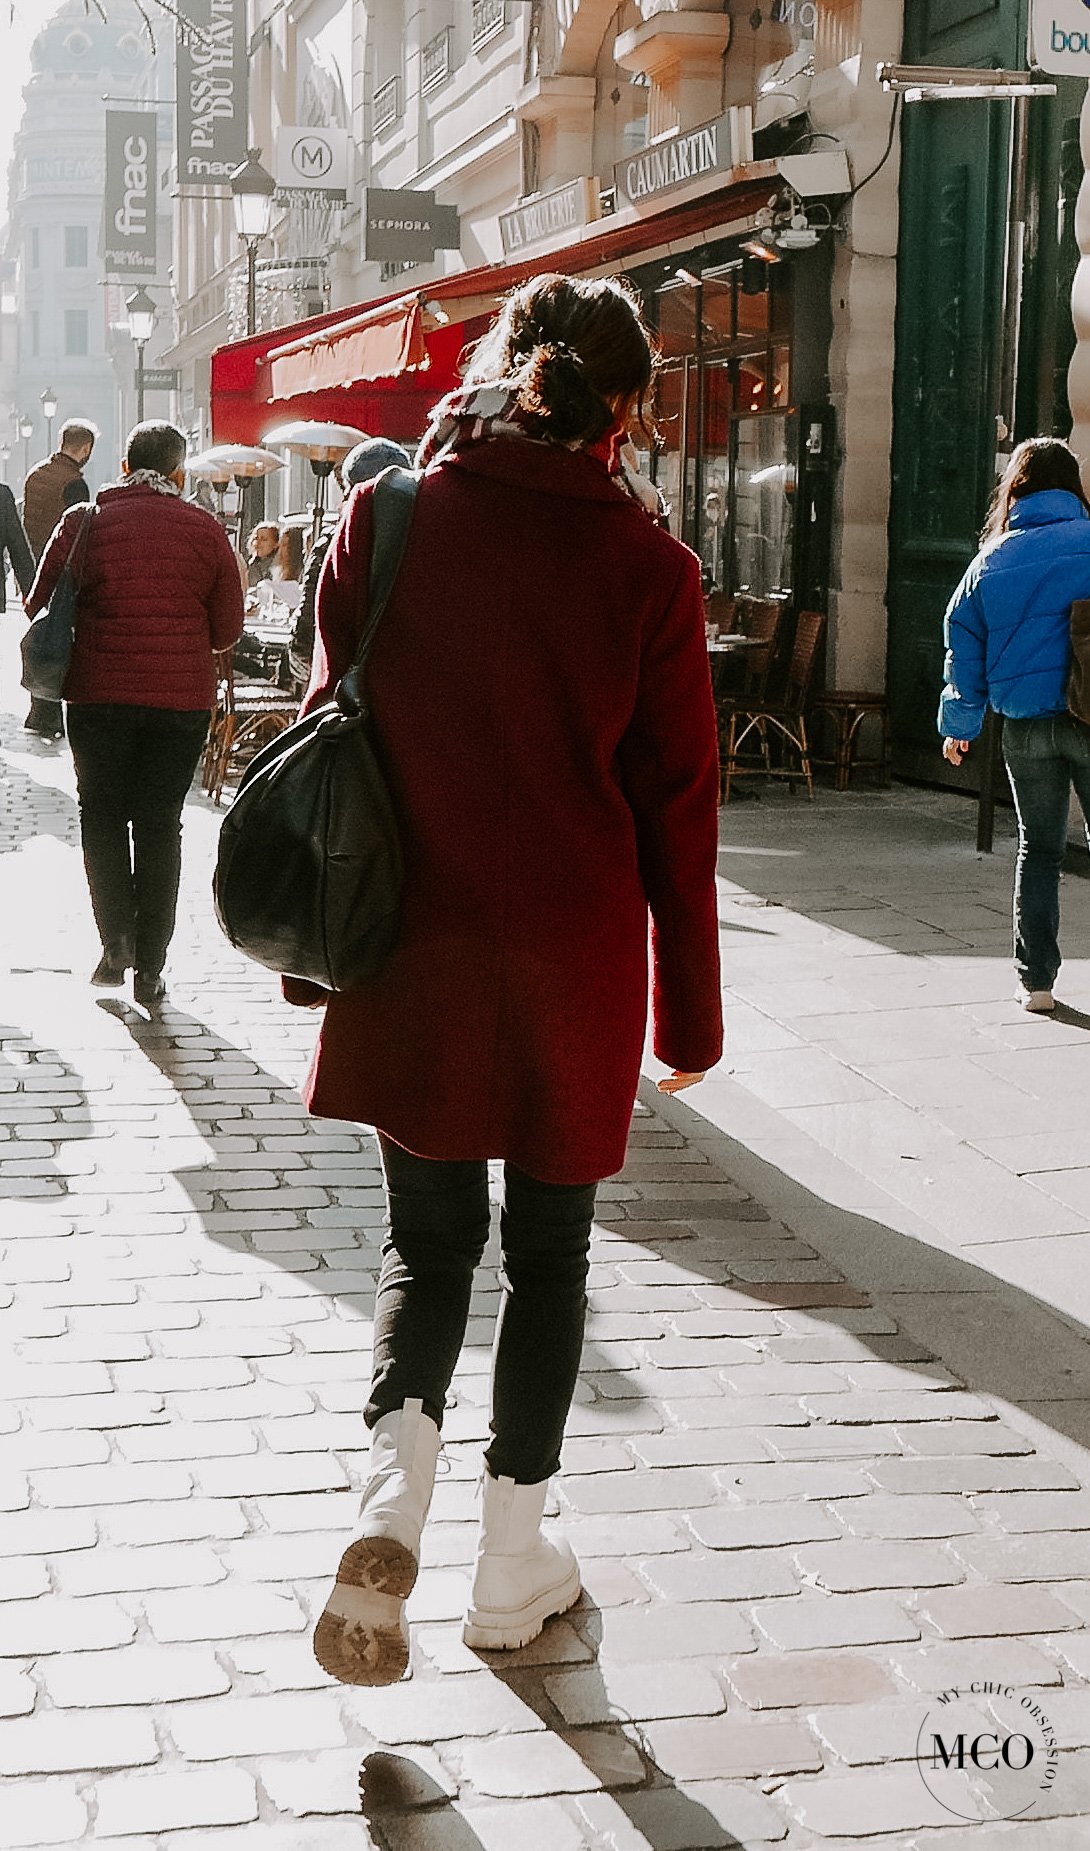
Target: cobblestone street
column 797, row 1525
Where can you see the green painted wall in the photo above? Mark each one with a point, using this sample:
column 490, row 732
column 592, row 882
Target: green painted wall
column 954, row 177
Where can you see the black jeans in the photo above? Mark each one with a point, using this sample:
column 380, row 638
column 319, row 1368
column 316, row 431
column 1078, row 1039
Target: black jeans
column 134, row 766
column 438, row 1230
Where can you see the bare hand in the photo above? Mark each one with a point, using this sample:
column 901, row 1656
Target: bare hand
column 954, row 750
column 677, row 1082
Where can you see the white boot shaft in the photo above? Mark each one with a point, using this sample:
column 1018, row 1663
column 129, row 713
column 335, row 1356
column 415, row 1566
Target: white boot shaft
column 401, row 1478
column 522, row 1578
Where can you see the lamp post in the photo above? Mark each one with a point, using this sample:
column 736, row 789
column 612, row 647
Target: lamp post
column 5, row 458
column 141, row 313
column 49, row 412
column 26, row 432
column 252, row 189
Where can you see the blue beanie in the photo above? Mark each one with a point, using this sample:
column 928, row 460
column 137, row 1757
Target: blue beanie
column 370, row 458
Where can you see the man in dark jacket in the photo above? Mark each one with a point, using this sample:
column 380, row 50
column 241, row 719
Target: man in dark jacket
column 160, row 593
column 48, row 491
column 14, row 547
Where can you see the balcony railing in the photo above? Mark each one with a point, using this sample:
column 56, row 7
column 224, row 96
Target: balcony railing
column 435, row 60
column 489, row 17
column 386, row 105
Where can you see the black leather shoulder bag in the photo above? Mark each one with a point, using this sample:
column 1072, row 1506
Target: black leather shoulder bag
column 309, row 868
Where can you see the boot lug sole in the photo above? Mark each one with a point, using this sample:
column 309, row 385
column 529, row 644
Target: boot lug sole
column 361, row 1637
column 505, row 1632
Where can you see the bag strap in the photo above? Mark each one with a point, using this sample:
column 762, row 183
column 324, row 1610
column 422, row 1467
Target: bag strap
column 79, row 547
column 392, row 504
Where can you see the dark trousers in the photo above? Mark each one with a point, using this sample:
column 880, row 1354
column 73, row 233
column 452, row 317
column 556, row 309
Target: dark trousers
column 1045, row 757
column 134, row 766
column 438, row 1230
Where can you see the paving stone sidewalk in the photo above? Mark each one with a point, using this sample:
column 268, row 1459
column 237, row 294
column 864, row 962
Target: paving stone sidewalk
column 796, row 1526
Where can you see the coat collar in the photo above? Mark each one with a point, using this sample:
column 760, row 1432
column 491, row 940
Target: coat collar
column 1045, row 507
column 546, row 468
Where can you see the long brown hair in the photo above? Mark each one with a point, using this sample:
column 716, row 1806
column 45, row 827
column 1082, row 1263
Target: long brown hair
column 1038, row 463
column 573, row 344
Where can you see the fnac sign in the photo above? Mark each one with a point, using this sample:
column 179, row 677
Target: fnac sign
column 1060, row 37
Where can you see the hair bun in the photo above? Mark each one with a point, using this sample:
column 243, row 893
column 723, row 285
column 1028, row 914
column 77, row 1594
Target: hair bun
column 553, row 387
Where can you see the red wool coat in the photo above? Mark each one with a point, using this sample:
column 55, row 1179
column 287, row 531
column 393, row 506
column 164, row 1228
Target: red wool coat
column 159, row 591
column 541, row 691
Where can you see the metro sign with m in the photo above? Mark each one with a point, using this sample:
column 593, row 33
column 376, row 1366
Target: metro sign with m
column 312, row 160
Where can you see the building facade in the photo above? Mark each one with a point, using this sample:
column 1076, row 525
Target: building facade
column 66, row 327
column 655, row 139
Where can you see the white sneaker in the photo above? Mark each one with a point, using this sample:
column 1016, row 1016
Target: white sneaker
column 362, row 1636
column 522, row 1577
column 1038, row 1002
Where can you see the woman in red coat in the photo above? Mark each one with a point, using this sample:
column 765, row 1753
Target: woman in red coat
column 541, row 693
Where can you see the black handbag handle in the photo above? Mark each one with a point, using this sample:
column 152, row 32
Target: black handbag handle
column 393, row 502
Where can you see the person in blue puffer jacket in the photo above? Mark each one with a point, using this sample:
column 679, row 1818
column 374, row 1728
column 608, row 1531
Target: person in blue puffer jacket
column 1008, row 646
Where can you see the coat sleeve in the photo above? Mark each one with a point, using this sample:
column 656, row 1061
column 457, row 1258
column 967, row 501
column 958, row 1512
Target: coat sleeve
column 52, row 562
column 670, row 766
column 18, row 546
column 226, row 607
column 964, row 698
column 340, row 603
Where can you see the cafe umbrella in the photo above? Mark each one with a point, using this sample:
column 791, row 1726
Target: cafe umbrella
column 241, row 463
column 324, row 446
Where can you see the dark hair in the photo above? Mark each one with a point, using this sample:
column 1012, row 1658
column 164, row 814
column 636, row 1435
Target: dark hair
column 74, row 433
column 572, row 344
column 1038, row 463
column 155, row 446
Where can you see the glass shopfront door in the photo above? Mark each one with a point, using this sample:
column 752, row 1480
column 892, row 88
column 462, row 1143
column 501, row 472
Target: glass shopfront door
column 721, row 406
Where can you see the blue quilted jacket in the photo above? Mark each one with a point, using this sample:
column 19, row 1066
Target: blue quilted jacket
column 1007, row 626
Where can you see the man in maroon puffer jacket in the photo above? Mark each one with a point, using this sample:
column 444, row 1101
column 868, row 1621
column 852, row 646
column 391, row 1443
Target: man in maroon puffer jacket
column 159, row 593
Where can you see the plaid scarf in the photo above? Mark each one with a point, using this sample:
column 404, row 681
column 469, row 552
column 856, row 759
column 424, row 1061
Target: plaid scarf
column 476, row 414
column 148, row 478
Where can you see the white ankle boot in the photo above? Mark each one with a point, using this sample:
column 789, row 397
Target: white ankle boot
column 522, row 1578
column 362, row 1636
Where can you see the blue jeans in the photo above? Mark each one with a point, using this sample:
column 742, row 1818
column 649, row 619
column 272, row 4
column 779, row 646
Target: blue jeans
column 1045, row 757
column 438, row 1230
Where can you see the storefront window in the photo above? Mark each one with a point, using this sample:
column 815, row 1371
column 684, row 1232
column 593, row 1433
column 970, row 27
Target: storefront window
column 724, row 338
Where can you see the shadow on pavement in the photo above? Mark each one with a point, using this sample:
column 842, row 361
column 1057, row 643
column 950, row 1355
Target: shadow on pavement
column 999, row 1338
column 23, row 1058
column 1002, row 1340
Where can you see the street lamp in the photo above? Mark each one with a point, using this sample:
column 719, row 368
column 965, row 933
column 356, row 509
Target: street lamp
column 49, row 412
column 252, row 189
column 26, row 432
column 141, row 313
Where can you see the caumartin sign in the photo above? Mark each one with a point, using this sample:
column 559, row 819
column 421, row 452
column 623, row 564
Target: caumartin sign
column 1060, row 37
column 678, row 160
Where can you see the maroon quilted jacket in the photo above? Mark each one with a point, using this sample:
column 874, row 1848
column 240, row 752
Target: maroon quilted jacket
column 160, row 590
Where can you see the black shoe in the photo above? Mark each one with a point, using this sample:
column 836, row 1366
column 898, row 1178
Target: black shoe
column 109, row 973
column 148, row 991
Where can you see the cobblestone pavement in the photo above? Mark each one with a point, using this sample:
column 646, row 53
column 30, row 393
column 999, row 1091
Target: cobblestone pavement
column 796, row 1526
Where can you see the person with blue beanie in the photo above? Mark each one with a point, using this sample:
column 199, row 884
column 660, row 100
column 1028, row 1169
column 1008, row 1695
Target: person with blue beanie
column 362, row 464
column 1008, row 646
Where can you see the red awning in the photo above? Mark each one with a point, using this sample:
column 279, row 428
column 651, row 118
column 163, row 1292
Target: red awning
column 397, row 405
column 382, row 343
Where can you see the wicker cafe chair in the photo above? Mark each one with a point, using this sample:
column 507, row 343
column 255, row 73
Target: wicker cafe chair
column 247, row 715
column 744, row 676
column 760, row 721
